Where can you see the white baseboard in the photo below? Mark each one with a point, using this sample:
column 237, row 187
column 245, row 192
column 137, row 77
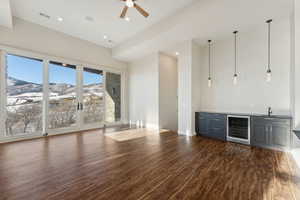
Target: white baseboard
column 187, row 133
column 152, row 126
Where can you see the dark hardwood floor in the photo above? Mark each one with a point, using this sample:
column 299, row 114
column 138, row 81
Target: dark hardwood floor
column 89, row 165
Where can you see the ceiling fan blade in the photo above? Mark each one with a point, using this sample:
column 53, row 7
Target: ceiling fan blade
column 124, row 11
column 141, row 10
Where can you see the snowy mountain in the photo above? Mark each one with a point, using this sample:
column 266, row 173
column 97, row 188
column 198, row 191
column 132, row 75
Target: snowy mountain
column 24, row 89
column 17, row 87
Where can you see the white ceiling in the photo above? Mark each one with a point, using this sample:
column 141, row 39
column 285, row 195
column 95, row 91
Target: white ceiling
column 200, row 21
column 171, row 22
column 104, row 12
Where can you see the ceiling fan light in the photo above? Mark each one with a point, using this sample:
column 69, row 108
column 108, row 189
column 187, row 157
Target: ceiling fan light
column 129, row 3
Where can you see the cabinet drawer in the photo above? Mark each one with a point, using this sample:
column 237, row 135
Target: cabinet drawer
column 270, row 120
column 217, row 123
column 212, row 115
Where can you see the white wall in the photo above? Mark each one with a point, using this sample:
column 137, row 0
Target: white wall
column 36, row 38
column 295, row 74
column 168, row 83
column 197, row 62
column 296, row 64
column 252, row 94
column 144, row 91
column 185, row 89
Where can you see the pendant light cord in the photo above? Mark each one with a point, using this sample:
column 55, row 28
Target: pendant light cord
column 209, row 60
column 235, row 52
column 269, row 44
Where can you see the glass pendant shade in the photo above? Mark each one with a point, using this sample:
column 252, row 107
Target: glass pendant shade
column 235, row 79
column 235, row 76
column 269, row 75
column 269, row 72
column 209, row 82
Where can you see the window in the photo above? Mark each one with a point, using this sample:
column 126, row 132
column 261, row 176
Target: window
column 62, row 95
column 24, row 95
column 52, row 97
column 93, row 96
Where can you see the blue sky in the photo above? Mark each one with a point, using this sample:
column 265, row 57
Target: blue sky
column 32, row 71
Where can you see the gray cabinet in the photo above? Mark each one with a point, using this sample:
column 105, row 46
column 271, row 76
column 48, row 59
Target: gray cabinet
column 211, row 125
column 259, row 135
column 267, row 132
column 271, row 132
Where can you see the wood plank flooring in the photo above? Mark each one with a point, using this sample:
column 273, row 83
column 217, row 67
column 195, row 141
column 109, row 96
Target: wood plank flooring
column 88, row 165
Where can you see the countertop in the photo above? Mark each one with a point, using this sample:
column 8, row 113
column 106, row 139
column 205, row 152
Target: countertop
column 251, row 114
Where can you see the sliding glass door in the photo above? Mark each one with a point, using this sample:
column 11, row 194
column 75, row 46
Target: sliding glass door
column 41, row 96
column 63, row 103
column 93, row 97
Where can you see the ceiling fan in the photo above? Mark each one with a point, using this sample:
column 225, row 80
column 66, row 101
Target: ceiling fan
column 131, row 4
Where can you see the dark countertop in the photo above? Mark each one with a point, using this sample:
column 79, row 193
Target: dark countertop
column 252, row 115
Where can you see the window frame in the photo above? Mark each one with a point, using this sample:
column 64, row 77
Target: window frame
column 4, row 50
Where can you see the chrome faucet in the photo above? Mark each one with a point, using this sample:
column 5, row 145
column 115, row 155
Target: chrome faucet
column 269, row 111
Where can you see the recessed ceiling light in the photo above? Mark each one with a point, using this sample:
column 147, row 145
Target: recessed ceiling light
column 105, row 37
column 60, row 19
column 127, row 19
column 177, row 53
column 129, row 3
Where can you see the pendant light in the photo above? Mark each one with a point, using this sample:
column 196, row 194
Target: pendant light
column 209, row 64
column 235, row 76
column 269, row 72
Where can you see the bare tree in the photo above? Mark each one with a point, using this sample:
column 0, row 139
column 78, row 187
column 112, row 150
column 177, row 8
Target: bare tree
column 29, row 113
column 11, row 119
column 62, row 112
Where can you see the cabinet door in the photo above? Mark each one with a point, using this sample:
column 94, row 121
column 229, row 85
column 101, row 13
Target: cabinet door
column 197, row 123
column 203, row 125
column 217, row 127
column 260, row 135
column 217, row 133
column 279, row 136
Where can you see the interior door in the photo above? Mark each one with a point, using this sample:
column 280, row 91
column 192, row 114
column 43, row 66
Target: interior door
column 63, row 100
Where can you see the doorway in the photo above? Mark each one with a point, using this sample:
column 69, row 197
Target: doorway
column 168, row 92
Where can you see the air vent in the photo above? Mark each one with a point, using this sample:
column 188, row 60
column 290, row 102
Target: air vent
column 88, row 18
column 44, row 15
